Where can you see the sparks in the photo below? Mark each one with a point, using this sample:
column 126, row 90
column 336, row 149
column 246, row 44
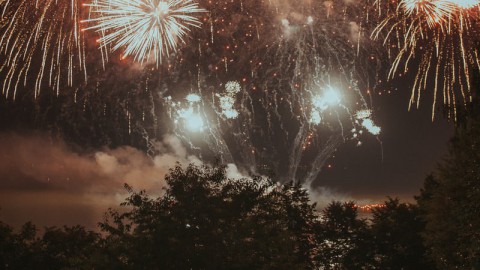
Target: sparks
column 465, row 4
column 41, row 44
column 437, row 38
column 144, row 28
column 330, row 98
column 227, row 100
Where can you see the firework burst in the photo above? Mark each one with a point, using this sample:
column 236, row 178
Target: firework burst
column 40, row 38
column 267, row 79
column 465, row 4
column 433, row 12
column 438, row 41
column 144, row 28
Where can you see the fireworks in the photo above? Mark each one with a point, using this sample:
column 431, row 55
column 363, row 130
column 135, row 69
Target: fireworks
column 315, row 117
column 363, row 114
column 465, row 4
column 144, row 28
column 40, row 39
column 227, row 100
column 371, row 127
column 320, row 103
column 433, row 11
column 436, row 12
column 437, row 39
column 331, row 97
column 193, row 98
column 192, row 120
column 187, row 115
column 363, row 117
column 260, row 81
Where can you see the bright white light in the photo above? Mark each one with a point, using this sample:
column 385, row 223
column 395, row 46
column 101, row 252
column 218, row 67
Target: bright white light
column 227, row 103
column 464, row 3
column 194, row 123
column 330, row 98
column 371, row 127
column 193, row 98
column 162, row 9
column 319, row 103
column 145, row 29
column 227, row 100
column 363, row 114
column 315, row 117
column 232, row 87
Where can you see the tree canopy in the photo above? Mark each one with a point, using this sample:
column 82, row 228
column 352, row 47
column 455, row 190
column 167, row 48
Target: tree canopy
column 204, row 220
column 207, row 221
column 450, row 201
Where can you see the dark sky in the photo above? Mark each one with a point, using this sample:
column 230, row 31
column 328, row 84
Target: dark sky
column 411, row 145
column 65, row 155
column 50, row 182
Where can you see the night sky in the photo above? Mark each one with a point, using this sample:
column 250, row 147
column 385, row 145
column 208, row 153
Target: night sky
column 412, row 146
column 67, row 150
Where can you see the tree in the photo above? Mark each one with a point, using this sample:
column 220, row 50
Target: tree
column 7, row 245
column 69, row 248
column 450, row 201
column 66, row 248
column 344, row 240
column 397, row 229
column 19, row 250
column 207, row 221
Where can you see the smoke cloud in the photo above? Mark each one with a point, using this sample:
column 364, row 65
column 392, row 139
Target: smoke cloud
column 323, row 196
column 45, row 181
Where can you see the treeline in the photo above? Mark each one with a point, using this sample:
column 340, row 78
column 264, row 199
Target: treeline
column 206, row 221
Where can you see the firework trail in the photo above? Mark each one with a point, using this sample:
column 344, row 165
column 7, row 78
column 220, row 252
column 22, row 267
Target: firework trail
column 285, row 60
column 322, row 48
column 265, row 84
column 268, row 85
column 193, row 123
column 438, row 41
column 144, row 28
column 40, row 39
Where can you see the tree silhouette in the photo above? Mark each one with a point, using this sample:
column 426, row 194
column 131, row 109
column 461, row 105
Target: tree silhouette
column 344, row 239
column 450, row 201
column 58, row 248
column 207, row 221
column 397, row 229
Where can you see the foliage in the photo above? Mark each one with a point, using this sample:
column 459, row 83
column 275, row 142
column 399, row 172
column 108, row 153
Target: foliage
column 343, row 238
column 450, row 200
column 207, row 221
column 204, row 220
column 397, row 229
column 58, row 248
